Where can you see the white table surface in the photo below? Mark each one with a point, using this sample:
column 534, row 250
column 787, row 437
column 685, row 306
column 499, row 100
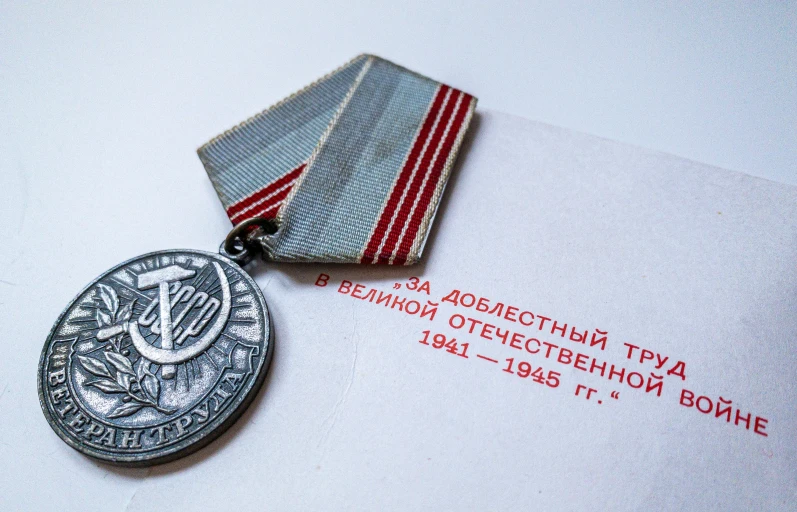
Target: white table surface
column 94, row 93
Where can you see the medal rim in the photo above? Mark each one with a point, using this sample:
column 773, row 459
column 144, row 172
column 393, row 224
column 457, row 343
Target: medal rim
column 205, row 436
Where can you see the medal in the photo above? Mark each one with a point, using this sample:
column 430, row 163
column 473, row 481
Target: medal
column 160, row 354
column 156, row 357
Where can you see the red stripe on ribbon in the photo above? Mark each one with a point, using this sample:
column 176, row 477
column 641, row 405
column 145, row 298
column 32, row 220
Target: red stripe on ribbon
column 424, row 202
column 395, row 196
column 244, row 209
column 267, row 209
column 415, row 187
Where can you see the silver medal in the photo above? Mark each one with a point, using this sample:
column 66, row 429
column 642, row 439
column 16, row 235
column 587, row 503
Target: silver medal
column 156, row 357
column 161, row 353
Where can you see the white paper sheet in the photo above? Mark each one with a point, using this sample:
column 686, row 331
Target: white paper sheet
column 686, row 261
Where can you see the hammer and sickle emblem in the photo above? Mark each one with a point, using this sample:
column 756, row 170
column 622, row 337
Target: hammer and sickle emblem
column 167, row 355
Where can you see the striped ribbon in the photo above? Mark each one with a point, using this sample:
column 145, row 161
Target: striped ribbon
column 352, row 167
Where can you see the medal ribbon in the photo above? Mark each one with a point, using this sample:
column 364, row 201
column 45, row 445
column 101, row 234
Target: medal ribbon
column 351, row 168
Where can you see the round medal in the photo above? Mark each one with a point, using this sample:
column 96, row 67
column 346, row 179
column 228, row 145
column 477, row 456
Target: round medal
column 156, row 357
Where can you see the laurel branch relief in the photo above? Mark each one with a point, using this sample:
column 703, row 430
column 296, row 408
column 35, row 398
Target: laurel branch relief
column 117, row 374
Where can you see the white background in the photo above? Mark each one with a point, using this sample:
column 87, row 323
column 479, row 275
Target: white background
column 103, row 105
column 714, row 82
